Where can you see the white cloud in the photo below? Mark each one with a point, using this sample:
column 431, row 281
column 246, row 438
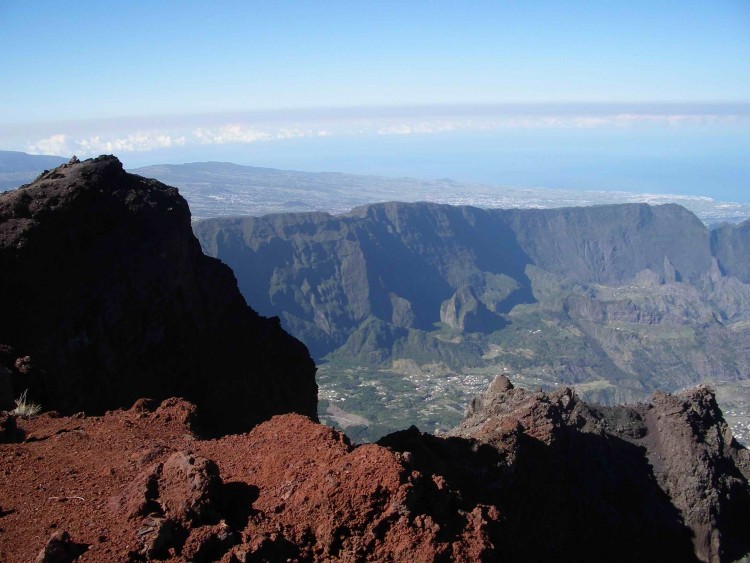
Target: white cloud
column 98, row 144
column 54, row 144
column 209, row 131
column 136, row 142
column 542, row 122
column 228, row 134
column 239, row 133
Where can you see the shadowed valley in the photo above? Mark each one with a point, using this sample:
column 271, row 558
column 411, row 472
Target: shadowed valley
column 412, row 309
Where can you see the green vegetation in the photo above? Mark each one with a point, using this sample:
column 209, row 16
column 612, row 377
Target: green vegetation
column 412, row 309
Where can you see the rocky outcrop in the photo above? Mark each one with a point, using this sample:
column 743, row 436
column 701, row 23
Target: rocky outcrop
column 60, row 548
column 668, row 471
column 105, row 297
column 142, row 487
column 464, row 312
column 527, row 476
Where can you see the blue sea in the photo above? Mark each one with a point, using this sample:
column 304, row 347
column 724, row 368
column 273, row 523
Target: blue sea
column 705, row 160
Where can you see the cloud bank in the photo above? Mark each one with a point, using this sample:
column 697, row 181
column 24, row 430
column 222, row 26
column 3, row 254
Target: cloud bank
column 96, row 138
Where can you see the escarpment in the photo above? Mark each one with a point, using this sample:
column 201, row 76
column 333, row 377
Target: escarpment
column 105, row 297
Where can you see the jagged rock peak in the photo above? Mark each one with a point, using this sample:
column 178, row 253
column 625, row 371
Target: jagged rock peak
column 678, row 444
column 106, row 294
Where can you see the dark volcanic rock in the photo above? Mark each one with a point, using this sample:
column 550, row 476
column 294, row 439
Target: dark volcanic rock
column 8, row 427
column 60, row 549
column 105, row 289
column 667, row 473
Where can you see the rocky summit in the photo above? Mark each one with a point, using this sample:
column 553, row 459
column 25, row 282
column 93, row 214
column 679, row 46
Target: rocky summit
column 667, row 472
column 526, row 477
column 106, row 297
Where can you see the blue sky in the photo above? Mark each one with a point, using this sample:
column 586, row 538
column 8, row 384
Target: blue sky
column 167, row 79
column 75, row 60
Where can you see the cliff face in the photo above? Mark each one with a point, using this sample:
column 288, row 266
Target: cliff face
column 731, row 245
column 612, row 243
column 618, row 300
column 105, row 297
column 667, row 472
column 413, row 265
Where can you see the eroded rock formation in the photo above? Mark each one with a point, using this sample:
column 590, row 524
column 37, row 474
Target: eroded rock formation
column 667, row 472
column 105, row 297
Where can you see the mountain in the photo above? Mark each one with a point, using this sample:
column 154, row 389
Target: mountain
column 106, row 297
column 105, row 294
column 418, row 306
column 221, row 189
column 14, row 161
column 17, row 168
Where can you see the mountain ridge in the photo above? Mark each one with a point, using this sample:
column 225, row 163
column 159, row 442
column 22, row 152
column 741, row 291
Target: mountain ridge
column 626, row 298
column 100, row 272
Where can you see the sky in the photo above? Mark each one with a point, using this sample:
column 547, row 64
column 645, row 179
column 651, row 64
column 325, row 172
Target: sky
column 361, row 85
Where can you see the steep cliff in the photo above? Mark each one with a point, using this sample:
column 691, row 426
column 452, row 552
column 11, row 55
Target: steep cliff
column 105, row 297
column 659, row 481
column 731, row 245
column 618, row 300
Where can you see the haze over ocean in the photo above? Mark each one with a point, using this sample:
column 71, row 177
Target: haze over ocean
column 662, row 161
column 636, row 96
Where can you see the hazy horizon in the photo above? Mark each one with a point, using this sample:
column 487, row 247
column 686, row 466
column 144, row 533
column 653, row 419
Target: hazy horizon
column 643, row 96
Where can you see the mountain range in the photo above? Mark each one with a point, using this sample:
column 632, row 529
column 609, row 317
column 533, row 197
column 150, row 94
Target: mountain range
column 107, row 305
column 412, row 309
column 428, row 381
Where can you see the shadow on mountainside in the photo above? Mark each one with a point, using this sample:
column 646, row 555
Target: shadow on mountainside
column 571, row 501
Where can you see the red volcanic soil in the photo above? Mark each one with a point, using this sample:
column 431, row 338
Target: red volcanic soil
column 138, row 485
column 528, row 476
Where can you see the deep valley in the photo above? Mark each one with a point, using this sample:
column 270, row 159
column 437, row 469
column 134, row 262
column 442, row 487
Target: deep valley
column 411, row 309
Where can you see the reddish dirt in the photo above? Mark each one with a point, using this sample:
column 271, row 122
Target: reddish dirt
column 534, row 476
column 137, row 485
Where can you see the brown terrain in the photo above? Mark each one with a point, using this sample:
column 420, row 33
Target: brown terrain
column 137, row 485
column 525, row 477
